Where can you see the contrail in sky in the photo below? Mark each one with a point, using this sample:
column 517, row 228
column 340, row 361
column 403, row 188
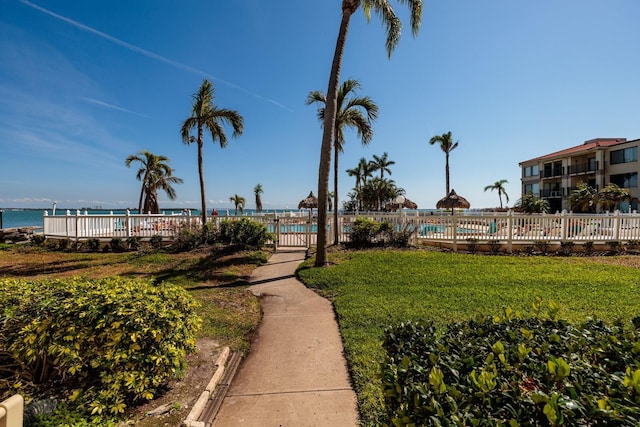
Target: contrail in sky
column 150, row 54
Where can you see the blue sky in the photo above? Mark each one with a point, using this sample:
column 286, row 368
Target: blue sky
column 84, row 84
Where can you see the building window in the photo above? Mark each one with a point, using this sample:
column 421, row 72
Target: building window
column 625, row 155
column 625, row 180
column 532, row 188
column 531, row 171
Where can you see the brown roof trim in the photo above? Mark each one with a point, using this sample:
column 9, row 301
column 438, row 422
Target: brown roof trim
column 587, row 146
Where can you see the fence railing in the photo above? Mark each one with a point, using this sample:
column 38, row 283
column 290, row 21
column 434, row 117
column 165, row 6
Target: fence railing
column 12, row 411
column 301, row 229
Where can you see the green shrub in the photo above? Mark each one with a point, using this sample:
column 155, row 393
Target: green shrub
column 472, row 245
column 566, row 248
column 187, row 239
column 245, row 233
column 93, row 244
column 512, row 371
column 542, row 246
column 117, row 245
column 614, row 247
column 38, row 239
column 364, row 232
column 633, row 245
column 494, row 246
column 106, row 343
column 133, row 243
column 156, row 241
column 588, row 247
column 63, row 244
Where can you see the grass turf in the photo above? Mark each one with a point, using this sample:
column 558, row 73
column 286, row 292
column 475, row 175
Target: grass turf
column 374, row 289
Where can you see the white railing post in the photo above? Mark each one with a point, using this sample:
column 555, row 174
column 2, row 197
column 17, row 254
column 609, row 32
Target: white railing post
column 127, row 219
column 454, row 230
column 77, row 223
column 66, row 223
column 510, row 231
column 12, row 411
column 616, row 225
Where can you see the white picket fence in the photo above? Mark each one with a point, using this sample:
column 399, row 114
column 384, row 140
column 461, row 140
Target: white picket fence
column 301, row 230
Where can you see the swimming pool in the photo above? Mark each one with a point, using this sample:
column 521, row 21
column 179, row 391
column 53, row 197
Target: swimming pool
column 438, row 228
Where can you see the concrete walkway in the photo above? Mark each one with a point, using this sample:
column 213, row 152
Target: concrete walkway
column 295, row 373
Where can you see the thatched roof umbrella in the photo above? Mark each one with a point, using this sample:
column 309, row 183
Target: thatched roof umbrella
column 453, row 201
column 310, row 202
column 409, row 204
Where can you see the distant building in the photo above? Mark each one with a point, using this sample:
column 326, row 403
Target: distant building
column 597, row 162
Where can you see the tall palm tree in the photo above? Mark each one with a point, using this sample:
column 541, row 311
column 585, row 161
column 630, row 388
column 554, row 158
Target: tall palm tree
column 382, row 164
column 205, row 116
column 393, row 28
column 349, row 114
column 583, row 198
column 239, row 203
column 498, row 185
column 447, row 146
column 257, row 190
column 611, row 195
column 361, row 173
column 154, row 173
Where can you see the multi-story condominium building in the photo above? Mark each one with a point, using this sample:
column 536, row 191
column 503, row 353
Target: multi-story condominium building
column 597, row 162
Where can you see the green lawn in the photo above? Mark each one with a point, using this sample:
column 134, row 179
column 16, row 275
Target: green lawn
column 374, row 289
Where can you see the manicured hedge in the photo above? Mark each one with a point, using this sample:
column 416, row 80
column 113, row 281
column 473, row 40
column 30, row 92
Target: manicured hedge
column 104, row 344
column 245, row 233
column 512, row 371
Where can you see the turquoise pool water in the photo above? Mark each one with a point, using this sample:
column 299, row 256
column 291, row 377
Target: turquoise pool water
column 437, row 228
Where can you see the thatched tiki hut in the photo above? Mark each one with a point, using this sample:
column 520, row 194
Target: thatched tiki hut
column 453, row 201
column 409, row 204
column 310, row 202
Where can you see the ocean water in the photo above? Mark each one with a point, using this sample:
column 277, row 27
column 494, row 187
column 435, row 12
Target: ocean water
column 12, row 218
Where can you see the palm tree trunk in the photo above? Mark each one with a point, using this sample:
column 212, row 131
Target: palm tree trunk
column 336, row 237
column 446, row 171
column 331, row 105
column 201, row 173
column 144, row 183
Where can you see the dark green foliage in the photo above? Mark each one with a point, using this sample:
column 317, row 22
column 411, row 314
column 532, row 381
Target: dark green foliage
column 110, row 342
column 512, row 371
column 38, row 239
column 117, row 245
column 63, row 244
column 187, row 239
column 588, row 247
column 633, row 245
column 245, row 233
column 133, row 243
column 472, row 245
column 566, row 248
column 494, row 246
column 542, row 246
column 614, row 247
column 93, row 244
column 366, row 233
column 156, row 242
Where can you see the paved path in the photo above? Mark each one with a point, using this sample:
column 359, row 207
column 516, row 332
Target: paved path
column 295, row 373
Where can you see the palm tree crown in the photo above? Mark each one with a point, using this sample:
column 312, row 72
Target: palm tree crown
column 205, row 116
column 393, row 28
column 239, row 203
column 257, row 190
column 499, row 185
column 447, row 146
column 154, row 173
column 382, row 163
column 349, row 114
